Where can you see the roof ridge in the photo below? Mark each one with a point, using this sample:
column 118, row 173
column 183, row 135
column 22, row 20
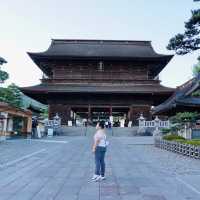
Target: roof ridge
column 101, row 41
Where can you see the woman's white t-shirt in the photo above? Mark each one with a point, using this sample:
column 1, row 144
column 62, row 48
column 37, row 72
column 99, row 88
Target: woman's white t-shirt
column 101, row 136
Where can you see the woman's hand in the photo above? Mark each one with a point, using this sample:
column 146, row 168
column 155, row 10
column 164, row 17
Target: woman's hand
column 93, row 149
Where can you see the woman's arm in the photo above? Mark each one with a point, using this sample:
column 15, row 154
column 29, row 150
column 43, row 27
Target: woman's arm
column 95, row 145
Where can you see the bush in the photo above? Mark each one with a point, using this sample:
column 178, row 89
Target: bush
column 173, row 137
column 193, row 142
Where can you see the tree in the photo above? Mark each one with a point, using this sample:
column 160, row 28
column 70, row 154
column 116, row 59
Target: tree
column 3, row 75
column 183, row 117
column 188, row 41
column 196, row 69
column 11, row 95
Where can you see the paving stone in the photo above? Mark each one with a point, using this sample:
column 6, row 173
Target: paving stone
column 135, row 170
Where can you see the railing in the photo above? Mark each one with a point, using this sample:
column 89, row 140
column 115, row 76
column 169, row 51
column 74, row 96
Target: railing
column 156, row 123
column 180, row 148
column 149, row 124
column 164, row 124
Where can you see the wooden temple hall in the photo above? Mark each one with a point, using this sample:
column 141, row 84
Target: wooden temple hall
column 96, row 79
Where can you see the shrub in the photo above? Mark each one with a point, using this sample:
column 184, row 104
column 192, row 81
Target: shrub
column 173, row 137
column 193, row 142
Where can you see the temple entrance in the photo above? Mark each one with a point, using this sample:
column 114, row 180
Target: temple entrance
column 93, row 114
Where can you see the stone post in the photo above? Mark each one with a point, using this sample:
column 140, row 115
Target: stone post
column 157, row 132
column 142, row 129
column 141, row 121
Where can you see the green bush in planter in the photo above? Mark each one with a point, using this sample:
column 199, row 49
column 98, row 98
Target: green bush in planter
column 173, row 137
column 193, row 142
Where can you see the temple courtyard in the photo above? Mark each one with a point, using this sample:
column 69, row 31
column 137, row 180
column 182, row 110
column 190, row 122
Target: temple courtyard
column 61, row 167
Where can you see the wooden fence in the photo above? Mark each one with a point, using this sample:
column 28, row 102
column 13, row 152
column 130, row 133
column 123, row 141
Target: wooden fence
column 177, row 147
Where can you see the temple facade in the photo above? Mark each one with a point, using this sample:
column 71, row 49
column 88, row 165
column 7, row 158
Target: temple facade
column 100, row 79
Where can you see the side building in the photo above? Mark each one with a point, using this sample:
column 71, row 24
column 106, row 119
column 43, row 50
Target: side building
column 186, row 98
column 96, row 79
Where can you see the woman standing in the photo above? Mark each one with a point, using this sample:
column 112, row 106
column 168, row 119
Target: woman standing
column 99, row 150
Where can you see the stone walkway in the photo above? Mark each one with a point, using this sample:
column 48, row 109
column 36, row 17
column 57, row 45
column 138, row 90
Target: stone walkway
column 60, row 168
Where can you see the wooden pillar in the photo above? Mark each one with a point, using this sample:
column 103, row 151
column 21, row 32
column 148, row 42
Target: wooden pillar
column 29, row 125
column 110, row 110
column 130, row 113
column 89, row 113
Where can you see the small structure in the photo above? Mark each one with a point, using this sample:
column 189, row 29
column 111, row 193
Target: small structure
column 185, row 98
column 7, row 120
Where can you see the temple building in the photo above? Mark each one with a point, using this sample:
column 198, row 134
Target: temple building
column 100, row 79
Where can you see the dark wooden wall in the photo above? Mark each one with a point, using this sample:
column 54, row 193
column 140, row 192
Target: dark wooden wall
column 91, row 71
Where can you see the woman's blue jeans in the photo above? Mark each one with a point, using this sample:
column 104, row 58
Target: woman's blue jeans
column 99, row 160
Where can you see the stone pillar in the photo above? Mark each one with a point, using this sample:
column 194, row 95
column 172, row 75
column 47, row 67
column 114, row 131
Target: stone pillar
column 157, row 132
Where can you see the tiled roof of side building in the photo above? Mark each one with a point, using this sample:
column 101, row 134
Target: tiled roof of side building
column 181, row 96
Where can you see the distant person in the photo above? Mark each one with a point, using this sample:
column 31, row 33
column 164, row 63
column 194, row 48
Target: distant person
column 106, row 123
column 34, row 127
column 84, row 122
column 109, row 124
column 99, row 150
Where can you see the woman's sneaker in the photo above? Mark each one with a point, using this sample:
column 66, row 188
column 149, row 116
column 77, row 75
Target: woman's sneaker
column 95, row 177
column 98, row 178
column 102, row 178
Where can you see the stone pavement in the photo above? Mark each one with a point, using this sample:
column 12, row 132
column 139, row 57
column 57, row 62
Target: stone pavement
column 60, row 168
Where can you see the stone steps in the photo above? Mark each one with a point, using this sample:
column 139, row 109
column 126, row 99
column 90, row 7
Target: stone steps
column 115, row 131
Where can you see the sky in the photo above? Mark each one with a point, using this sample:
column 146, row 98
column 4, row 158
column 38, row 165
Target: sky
column 29, row 26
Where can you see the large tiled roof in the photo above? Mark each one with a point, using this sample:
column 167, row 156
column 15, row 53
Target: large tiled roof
column 76, row 88
column 101, row 48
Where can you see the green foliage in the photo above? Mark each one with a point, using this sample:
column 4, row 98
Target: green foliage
column 184, row 117
column 165, row 130
column 196, row 93
column 11, row 95
column 3, row 76
column 192, row 142
column 196, row 69
column 188, row 41
column 45, row 113
column 173, row 137
column 180, row 139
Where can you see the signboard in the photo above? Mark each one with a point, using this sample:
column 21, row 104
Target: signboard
column 50, row 132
